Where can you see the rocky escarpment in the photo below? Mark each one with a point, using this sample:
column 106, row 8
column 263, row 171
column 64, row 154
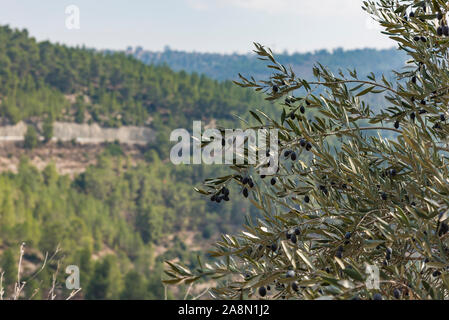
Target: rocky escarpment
column 83, row 133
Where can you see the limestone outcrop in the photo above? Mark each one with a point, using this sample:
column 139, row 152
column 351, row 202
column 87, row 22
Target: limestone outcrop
column 83, row 133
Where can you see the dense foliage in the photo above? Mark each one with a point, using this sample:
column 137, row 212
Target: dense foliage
column 335, row 209
column 116, row 212
column 41, row 79
column 227, row 67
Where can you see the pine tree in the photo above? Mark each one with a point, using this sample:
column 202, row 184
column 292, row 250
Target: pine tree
column 135, row 288
column 47, row 129
column 384, row 184
column 31, row 138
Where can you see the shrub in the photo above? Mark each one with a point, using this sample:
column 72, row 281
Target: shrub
column 31, row 138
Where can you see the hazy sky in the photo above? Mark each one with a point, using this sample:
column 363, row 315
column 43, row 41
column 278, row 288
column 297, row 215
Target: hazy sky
column 199, row 25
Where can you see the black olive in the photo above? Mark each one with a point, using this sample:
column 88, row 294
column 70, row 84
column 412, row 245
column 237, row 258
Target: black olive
column 308, row 146
column 295, row 286
column 397, row 293
column 377, row 296
column 443, row 229
column 436, row 273
column 293, row 238
column 293, row 156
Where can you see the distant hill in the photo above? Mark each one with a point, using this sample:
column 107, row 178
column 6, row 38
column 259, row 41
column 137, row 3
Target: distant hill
column 225, row 67
column 46, row 80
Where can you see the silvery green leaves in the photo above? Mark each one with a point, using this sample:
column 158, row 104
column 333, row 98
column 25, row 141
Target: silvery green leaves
column 375, row 172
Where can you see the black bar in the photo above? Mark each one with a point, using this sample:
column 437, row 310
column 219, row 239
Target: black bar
column 208, row 309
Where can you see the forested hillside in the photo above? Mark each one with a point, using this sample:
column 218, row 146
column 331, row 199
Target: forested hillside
column 49, row 80
column 225, row 67
column 109, row 220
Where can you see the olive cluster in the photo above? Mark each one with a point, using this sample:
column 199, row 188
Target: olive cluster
column 292, row 154
column 223, row 194
column 440, row 118
column 292, row 236
column 246, row 181
column 442, row 29
column 281, row 286
column 290, row 100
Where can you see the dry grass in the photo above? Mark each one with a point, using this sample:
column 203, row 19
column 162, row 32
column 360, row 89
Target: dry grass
column 19, row 285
